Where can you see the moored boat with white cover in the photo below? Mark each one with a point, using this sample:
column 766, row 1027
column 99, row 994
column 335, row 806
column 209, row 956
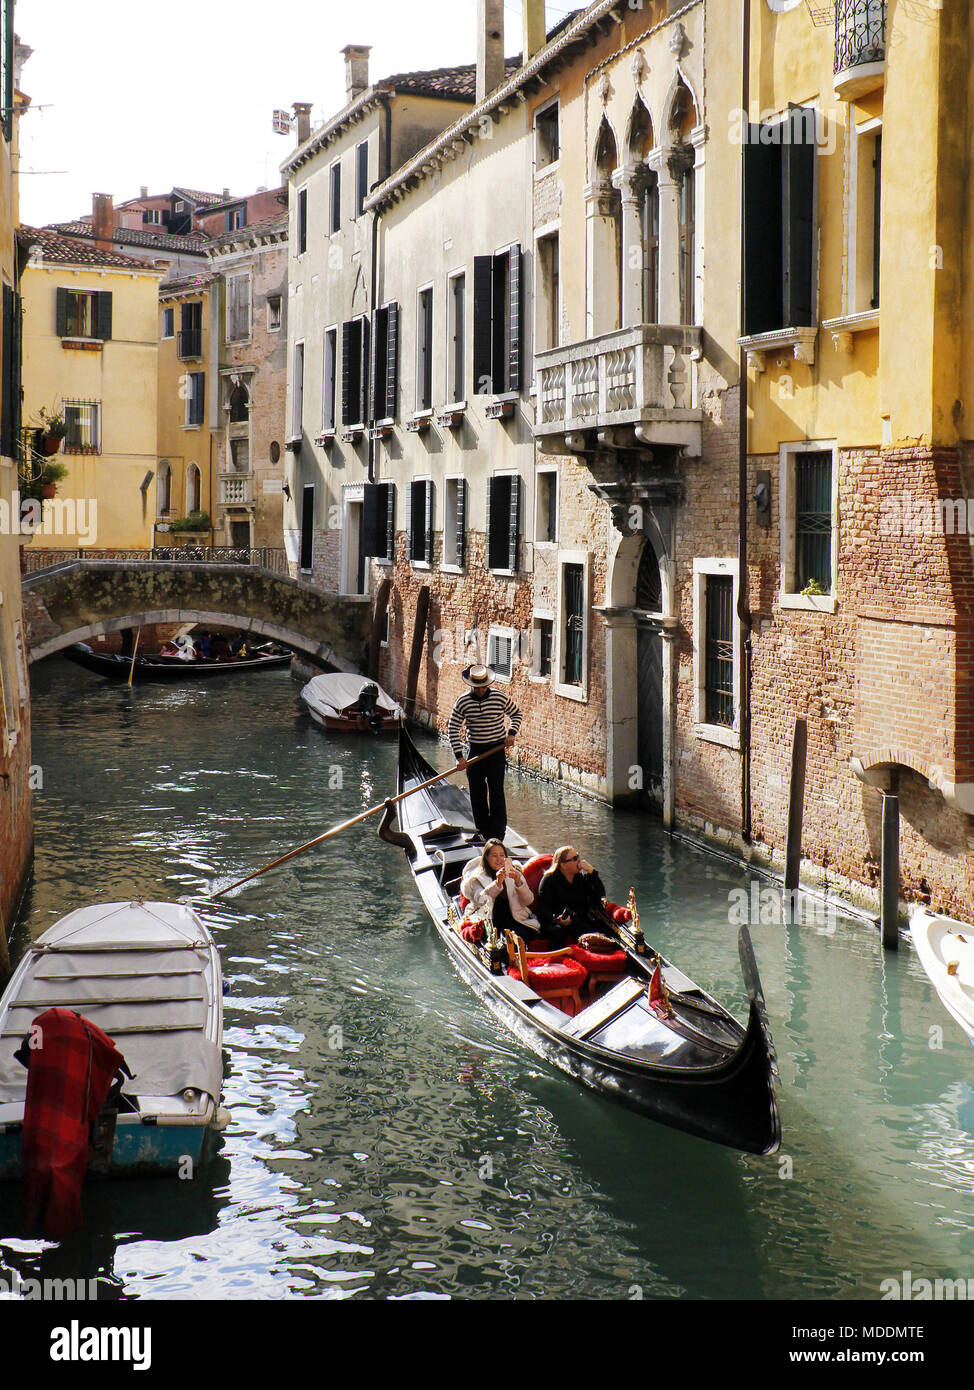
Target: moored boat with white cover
column 148, row 975
column 946, row 951
column 347, row 703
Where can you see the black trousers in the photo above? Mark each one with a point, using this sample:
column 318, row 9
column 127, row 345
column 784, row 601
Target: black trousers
column 487, row 792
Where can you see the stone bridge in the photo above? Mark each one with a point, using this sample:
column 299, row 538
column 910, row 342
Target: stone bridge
column 77, row 599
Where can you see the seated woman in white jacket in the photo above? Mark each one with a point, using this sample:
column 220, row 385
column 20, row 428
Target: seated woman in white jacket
column 494, row 879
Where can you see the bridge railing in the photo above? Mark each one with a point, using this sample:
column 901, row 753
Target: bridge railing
column 260, row 557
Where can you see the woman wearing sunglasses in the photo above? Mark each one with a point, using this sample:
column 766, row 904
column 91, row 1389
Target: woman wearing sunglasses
column 569, row 897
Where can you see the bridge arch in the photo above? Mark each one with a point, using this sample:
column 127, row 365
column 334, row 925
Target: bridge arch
column 80, row 599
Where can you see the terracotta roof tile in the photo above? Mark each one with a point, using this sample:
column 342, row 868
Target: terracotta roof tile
column 137, row 236
column 64, row 250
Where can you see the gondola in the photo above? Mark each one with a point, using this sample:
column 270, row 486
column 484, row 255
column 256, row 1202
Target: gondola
column 651, row 1039
column 116, row 666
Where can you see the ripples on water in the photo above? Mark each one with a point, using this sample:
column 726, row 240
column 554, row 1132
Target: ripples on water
column 389, row 1138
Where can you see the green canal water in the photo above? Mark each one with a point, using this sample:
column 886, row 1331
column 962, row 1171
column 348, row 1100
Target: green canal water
column 388, row 1138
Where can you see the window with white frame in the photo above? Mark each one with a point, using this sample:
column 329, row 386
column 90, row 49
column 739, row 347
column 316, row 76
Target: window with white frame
column 572, row 673
column 456, row 338
column 168, row 323
column 808, row 513
column 195, row 398
column 547, row 325
column 329, row 380
column 297, row 399
column 716, row 651
column 504, row 522
column 335, row 198
column 419, row 534
column 546, row 507
column 542, row 644
column 361, row 177
column 379, row 522
column 865, row 231
column 500, row 652
column 455, row 522
column 424, row 350
column 238, row 308
column 82, row 427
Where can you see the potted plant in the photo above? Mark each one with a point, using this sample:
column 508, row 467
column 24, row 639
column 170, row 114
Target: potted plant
column 50, row 432
column 195, row 521
column 51, row 475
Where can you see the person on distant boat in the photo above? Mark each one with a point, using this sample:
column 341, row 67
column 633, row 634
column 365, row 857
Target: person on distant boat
column 221, row 648
column 494, row 880
column 206, row 646
column 570, row 897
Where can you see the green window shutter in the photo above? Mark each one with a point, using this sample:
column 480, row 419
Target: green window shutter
column 514, row 535
column 62, row 313
column 392, row 360
column 103, row 315
column 462, row 522
column 483, row 333
column 390, row 521
column 514, row 319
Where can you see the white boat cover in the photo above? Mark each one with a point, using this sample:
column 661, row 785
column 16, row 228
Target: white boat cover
column 331, row 694
column 147, row 973
column 946, row 951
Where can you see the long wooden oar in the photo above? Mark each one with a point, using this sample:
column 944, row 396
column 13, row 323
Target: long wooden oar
column 364, row 815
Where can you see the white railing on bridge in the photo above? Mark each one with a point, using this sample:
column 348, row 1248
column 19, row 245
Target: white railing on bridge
column 260, row 557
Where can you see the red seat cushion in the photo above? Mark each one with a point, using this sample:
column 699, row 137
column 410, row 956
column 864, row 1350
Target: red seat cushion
column 553, row 974
column 613, row 964
column 464, row 903
column 533, row 872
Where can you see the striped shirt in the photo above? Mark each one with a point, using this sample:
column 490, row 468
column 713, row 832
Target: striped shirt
column 485, row 718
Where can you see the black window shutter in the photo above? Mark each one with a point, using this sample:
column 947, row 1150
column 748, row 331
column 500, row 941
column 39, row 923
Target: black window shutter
column 488, row 533
column 363, row 404
column 302, row 221
column 483, row 334
column 514, row 319
column 6, row 369
column 348, row 357
column 409, row 520
column 62, row 313
column 390, row 521
column 762, row 231
column 798, row 198
column 392, row 360
column 186, row 317
column 462, row 522
column 514, row 534
column 371, row 543
column 103, row 315
column 429, row 523
column 377, row 376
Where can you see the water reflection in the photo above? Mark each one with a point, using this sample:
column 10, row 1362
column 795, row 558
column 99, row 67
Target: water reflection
column 389, row 1138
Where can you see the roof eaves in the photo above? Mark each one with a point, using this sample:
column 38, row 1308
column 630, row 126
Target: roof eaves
column 321, row 137
column 426, row 160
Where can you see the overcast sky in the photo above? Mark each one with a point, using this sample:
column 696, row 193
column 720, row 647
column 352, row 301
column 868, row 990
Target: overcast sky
column 125, row 94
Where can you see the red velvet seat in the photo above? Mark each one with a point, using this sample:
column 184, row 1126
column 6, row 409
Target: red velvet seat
column 614, row 964
column 534, row 870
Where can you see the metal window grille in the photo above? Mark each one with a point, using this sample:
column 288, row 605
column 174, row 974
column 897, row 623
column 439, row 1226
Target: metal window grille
column 719, row 655
column 813, row 520
column 81, row 422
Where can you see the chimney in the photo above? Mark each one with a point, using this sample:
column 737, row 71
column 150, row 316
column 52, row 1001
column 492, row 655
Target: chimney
column 534, row 30
column 302, row 116
column 103, row 219
column 144, row 191
column 490, row 46
column 356, row 69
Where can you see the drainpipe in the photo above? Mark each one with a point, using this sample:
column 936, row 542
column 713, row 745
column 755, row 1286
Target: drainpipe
column 743, row 608
column 386, row 169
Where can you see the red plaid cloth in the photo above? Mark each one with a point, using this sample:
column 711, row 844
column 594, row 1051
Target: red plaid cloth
column 68, row 1080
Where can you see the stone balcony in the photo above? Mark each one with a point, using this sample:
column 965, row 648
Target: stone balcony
column 236, row 489
column 860, row 47
column 622, row 390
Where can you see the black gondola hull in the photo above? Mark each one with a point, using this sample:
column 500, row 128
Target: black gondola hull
column 116, row 666
column 729, row 1101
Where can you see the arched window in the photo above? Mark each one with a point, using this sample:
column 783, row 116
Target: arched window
column 194, row 489
column 683, row 119
column 640, row 143
column 164, row 489
column 607, row 235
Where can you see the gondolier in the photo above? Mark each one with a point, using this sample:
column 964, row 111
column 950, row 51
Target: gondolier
column 485, row 712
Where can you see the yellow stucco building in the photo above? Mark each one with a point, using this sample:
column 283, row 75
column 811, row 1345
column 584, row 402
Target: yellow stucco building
column 91, row 342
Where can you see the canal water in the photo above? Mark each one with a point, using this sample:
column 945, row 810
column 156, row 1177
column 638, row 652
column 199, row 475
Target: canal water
column 388, row 1138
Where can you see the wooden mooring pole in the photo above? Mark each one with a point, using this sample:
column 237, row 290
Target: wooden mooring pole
column 796, row 808
column 889, row 874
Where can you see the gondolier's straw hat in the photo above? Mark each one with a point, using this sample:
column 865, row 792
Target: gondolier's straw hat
column 477, row 677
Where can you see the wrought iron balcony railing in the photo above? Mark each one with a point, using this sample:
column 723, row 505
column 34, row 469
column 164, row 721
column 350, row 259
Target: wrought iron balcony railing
column 860, row 37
